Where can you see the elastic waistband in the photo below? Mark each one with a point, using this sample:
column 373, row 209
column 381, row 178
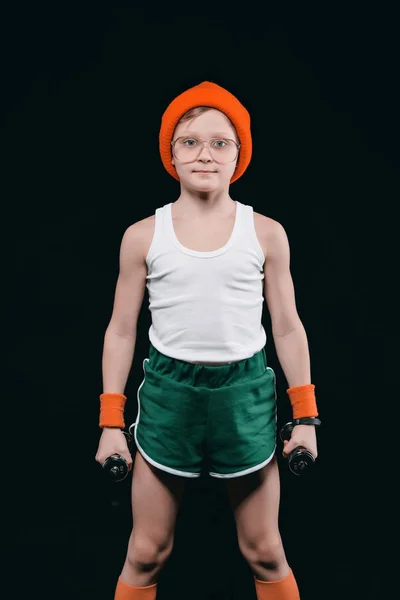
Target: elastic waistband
column 210, row 375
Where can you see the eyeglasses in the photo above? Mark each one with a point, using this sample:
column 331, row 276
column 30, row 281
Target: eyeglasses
column 188, row 149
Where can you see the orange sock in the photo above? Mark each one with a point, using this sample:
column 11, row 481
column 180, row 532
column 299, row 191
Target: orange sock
column 283, row 589
column 124, row 591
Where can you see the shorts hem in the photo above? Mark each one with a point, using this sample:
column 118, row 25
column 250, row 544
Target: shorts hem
column 245, row 471
column 164, row 467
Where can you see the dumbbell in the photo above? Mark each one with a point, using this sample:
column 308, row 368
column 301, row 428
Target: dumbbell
column 300, row 459
column 115, row 465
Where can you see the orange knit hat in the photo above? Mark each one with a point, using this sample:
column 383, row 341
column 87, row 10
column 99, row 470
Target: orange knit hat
column 207, row 94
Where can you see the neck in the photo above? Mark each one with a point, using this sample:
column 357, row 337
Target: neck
column 195, row 203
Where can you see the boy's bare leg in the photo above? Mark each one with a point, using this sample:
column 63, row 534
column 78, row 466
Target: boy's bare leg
column 156, row 497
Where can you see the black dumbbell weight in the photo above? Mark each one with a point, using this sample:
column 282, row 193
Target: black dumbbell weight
column 300, row 458
column 115, row 465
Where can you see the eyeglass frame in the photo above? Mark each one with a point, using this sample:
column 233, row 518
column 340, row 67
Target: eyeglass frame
column 238, row 146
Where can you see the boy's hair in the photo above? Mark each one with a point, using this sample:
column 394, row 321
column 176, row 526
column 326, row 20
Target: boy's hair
column 194, row 112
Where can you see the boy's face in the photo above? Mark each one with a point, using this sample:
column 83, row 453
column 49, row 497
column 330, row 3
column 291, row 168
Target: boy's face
column 209, row 125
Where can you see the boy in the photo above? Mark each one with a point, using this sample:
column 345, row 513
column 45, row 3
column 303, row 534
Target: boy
column 208, row 397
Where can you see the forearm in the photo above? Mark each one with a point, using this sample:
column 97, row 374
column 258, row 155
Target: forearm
column 293, row 355
column 117, row 360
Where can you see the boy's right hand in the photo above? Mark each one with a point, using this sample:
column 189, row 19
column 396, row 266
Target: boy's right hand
column 113, row 441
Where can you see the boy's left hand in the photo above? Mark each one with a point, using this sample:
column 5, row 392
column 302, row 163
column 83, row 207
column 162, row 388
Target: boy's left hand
column 302, row 435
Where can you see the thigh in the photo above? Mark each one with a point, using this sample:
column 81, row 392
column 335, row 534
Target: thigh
column 254, row 500
column 156, row 497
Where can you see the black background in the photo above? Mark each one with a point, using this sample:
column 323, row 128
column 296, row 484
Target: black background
column 84, row 87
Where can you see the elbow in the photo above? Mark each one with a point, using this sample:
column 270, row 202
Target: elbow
column 285, row 326
column 121, row 331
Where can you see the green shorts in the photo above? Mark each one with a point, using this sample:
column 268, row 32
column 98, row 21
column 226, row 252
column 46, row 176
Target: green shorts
column 193, row 418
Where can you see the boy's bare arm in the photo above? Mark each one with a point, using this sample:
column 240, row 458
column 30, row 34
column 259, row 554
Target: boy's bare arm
column 120, row 335
column 289, row 335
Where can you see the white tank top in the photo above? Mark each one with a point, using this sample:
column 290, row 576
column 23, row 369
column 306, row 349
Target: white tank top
column 206, row 306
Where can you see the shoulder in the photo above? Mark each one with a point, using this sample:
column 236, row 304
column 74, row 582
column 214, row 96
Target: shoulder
column 267, row 225
column 270, row 233
column 140, row 235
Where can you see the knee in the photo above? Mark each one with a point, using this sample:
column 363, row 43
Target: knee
column 147, row 555
column 264, row 551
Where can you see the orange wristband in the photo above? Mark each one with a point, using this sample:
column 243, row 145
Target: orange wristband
column 112, row 410
column 302, row 399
